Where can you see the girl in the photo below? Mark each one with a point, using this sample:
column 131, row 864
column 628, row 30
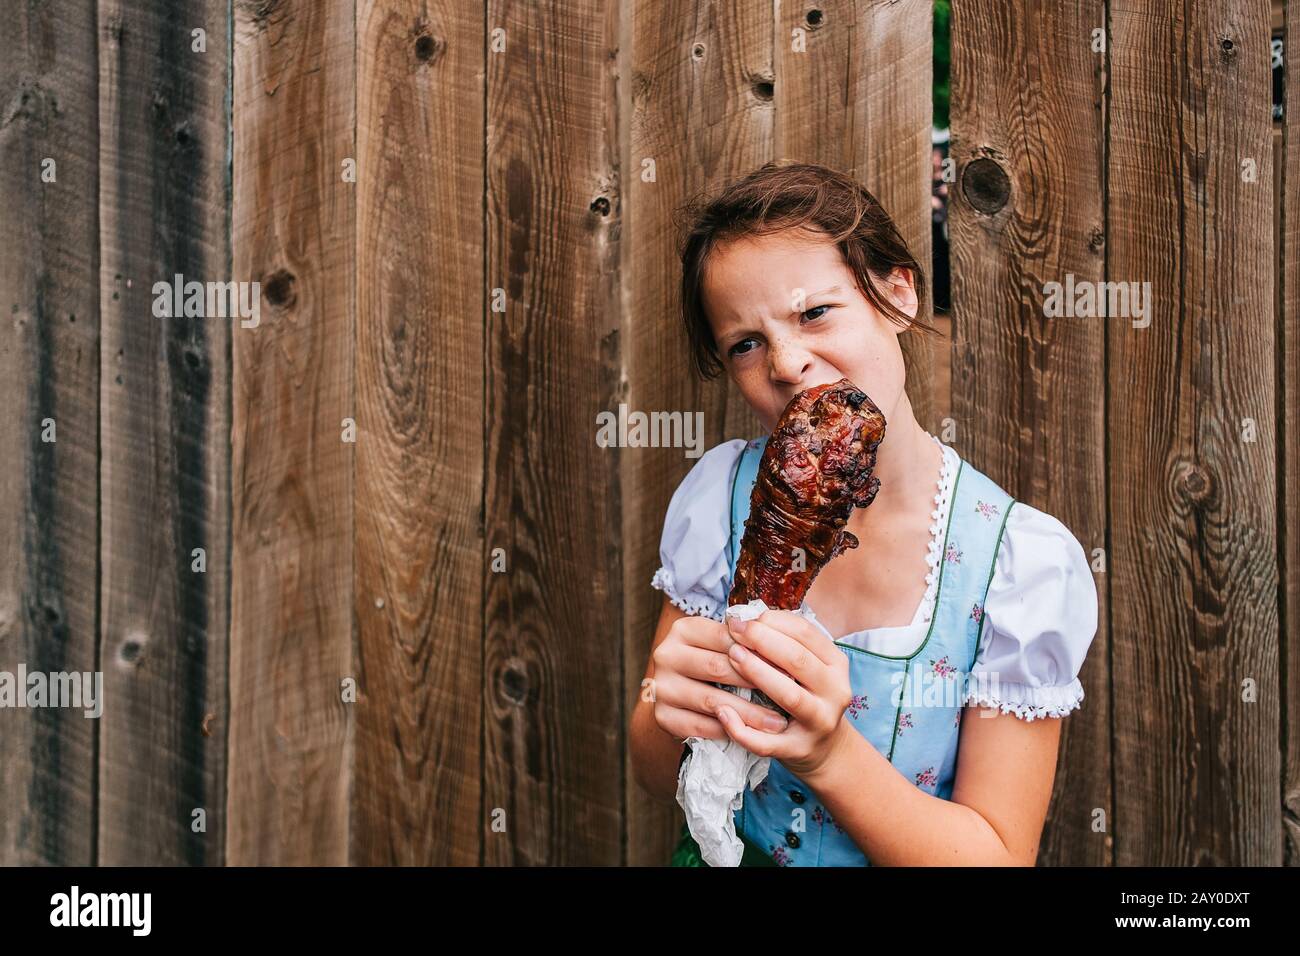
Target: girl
column 926, row 684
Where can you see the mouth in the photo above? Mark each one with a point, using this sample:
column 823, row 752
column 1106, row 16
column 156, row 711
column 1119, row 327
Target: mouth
column 811, row 392
column 840, row 389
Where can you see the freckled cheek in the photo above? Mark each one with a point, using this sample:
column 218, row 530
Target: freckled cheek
column 752, row 383
column 872, row 367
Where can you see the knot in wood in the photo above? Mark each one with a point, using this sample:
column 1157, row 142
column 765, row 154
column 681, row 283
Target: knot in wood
column 986, row 185
column 279, row 289
column 428, row 49
column 1195, row 483
column 513, row 683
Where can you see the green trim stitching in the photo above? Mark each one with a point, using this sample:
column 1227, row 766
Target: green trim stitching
column 898, row 713
column 938, row 592
column 731, row 512
column 1011, row 502
column 979, row 631
column 732, row 556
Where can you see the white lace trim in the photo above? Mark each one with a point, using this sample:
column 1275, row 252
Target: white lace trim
column 1022, row 700
column 663, row 580
column 943, row 502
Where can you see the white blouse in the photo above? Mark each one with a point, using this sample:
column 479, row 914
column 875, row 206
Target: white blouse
column 1040, row 613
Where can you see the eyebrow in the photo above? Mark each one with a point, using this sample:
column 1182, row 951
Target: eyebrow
column 726, row 341
column 833, row 288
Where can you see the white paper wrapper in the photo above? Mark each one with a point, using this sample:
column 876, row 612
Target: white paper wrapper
column 712, row 779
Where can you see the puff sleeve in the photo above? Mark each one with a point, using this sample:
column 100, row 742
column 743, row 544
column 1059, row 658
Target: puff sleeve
column 1039, row 619
column 694, row 571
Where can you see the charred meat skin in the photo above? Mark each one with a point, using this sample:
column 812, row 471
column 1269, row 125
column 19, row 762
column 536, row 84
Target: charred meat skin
column 817, row 467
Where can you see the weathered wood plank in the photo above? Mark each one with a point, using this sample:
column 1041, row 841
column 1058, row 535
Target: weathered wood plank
column 854, row 92
column 704, row 115
column 49, row 370
column 420, row 561
column 1027, row 209
column 292, row 527
column 1192, row 437
column 552, row 757
column 165, row 434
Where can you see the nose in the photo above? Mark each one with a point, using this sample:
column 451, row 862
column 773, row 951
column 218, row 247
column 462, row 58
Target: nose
column 788, row 362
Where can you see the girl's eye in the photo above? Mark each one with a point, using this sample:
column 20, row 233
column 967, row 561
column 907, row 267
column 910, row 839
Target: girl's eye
column 733, row 350
column 736, row 351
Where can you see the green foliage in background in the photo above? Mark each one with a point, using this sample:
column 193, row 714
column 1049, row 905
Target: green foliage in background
column 942, row 58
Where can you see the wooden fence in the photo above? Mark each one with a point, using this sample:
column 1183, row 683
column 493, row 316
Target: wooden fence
column 363, row 587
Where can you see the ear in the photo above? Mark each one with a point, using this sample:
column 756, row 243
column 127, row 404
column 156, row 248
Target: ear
column 901, row 290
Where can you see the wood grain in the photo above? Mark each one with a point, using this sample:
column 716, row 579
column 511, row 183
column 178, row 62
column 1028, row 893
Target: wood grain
column 49, row 369
column 165, row 432
column 857, row 98
column 518, row 180
column 701, row 115
column 1028, row 208
column 292, row 527
column 1193, row 514
column 552, row 755
column 420, row 560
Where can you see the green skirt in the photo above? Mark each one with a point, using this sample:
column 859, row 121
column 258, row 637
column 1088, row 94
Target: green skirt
column 687, row 852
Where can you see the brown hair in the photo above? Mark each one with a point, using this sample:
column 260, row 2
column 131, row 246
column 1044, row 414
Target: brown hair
column 778, row 196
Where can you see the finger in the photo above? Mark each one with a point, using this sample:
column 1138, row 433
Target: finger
column 698, row 663
column 755, row 715
column 784, row 691
column 784, row 653
column 706, row 634
column 804, row 631
column 682, row 723
column 713, row 666
column 755, row 741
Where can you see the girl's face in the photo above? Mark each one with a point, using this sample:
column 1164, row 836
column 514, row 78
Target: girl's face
column 786, row 315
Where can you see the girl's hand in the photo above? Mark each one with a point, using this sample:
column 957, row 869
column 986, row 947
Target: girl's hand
column 785, row 656
column 687, row 662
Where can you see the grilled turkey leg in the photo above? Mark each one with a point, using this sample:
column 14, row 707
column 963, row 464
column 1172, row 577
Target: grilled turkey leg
column 817, row 467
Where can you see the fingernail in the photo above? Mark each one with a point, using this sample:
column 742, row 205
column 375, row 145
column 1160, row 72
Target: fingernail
column 774, row 723
column 737, row 652
column 737, row 625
